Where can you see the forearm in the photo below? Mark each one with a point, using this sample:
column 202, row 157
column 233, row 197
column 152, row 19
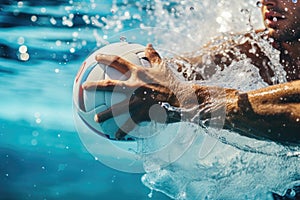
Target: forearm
column 272, row 112
column 268, row 113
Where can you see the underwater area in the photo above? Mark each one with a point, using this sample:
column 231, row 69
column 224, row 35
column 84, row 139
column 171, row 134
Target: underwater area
column 43, row 44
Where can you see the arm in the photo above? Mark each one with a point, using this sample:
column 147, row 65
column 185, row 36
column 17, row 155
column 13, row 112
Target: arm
column 271, row 112
column 268, row 113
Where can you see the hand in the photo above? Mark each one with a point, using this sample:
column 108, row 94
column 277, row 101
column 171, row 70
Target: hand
column 144, row 88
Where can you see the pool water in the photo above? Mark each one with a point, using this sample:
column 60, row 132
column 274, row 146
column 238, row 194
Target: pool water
column 42, row 45
column 41, row 155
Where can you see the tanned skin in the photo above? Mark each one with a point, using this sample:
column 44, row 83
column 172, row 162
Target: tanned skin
column 270, row 113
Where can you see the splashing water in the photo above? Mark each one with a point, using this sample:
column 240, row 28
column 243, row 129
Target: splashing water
column 211, row 163
column 218, row 164
column 199, row 163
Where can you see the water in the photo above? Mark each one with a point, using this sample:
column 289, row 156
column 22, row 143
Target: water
column 42, row 45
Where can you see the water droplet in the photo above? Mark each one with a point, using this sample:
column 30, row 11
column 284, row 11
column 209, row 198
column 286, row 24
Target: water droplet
column 34, row 142
column 72, row 50
column 293, row 193
column 245, row 11
column 275, row 19
column 33, row 18
column 294, row 1
column 75, row 34
column 259, row 4
column 38, row 120
column 43, row 10
column 20, row 4
column 52, row 21
column 123, row 39
column 58, row 43
column 150, row 195
column 35, row 133
column 24, row 56
column 23, row 49
column 21, row 40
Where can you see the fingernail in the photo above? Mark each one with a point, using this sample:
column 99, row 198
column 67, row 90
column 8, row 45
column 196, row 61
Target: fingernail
column 96, row 118
column 85, row 86
column 99, row 56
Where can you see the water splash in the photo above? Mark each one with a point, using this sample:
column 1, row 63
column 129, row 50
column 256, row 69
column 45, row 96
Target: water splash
column 221, row 173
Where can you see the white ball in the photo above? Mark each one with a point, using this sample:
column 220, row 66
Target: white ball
column 99, row 138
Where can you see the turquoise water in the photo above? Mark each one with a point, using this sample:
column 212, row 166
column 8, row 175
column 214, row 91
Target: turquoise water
column 42, row 45
column 41, row 155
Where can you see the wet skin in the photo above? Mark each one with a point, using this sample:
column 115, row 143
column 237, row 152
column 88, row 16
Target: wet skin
column 271, row 113
column 268, row 113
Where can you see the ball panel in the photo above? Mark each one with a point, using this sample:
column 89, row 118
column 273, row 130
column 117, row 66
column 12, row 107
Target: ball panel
column 93, row 98
column 120, row 49
column 111, row 126
column 99, row 138
column 88, row 119
column 94, row 101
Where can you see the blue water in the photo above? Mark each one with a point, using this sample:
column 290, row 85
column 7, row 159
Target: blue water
column 42, row 45
column 41, row 155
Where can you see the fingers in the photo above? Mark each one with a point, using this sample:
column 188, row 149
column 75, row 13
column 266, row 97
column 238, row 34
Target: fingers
column 116, row 110
column 123, row 65
column 104, row 85
column 111, row 112
column 110, row 85
column 125, row 129
column 115, row 62
column 152, row 55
